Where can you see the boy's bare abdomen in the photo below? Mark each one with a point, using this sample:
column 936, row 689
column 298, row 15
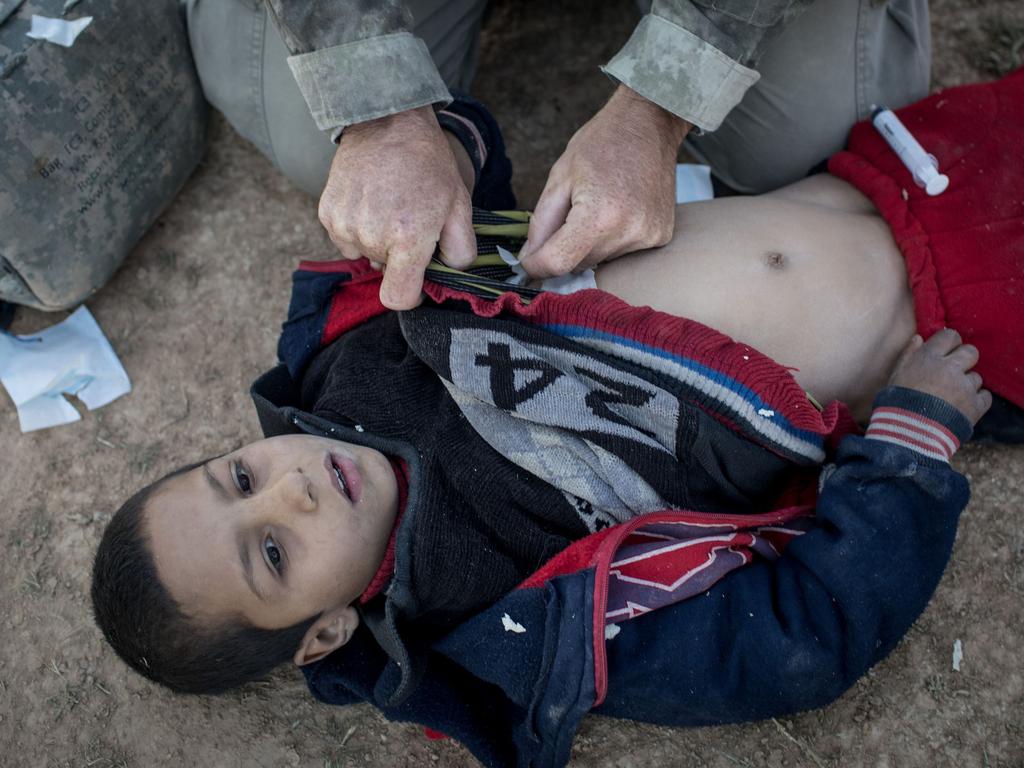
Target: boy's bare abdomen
column 808, row 275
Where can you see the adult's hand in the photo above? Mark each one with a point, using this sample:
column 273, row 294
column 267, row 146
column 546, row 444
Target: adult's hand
column 394, row 192
column 611, row 192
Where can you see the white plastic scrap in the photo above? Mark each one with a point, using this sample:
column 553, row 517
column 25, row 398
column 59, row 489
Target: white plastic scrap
column 72, row 357
column 611, row 631
column 511, row 625
column 520, row 276
column 57, row 31
column 570, row 283
column 693, row 183
column 766, row 412
column 958, row 654
column 564, row 284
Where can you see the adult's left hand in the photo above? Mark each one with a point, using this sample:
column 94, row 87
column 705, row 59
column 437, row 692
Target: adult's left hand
column 611, row 192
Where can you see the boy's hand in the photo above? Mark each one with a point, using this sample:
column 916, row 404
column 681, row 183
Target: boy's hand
column 941, row 367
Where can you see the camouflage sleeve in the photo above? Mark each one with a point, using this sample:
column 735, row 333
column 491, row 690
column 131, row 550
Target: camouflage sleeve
column 695, row 58
column 355, row 61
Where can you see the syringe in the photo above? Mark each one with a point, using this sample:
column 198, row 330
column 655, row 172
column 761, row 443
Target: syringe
column 923, row 167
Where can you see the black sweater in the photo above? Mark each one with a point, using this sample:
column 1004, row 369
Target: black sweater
column 506, row 522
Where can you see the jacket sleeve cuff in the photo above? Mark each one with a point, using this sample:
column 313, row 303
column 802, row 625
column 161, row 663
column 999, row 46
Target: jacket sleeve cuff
column 681, row 73
column 367, row 79
column 920, row 422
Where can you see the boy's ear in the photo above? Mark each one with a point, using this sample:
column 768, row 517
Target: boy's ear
column 328, row 633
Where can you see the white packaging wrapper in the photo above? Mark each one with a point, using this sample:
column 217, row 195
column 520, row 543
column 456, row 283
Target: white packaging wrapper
column 693, row 183
column 57, row 31
column 72, row 357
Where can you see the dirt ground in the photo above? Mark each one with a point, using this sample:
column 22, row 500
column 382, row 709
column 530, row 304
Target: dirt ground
column 194, row 315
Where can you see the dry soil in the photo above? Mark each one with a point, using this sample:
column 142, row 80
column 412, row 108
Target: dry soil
column 194, row 315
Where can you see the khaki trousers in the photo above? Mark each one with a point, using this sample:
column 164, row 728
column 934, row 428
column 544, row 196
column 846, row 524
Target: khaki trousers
column 818, row 77
column 242, row 64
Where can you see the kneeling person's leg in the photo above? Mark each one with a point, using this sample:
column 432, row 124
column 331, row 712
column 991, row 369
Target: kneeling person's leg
column 821, row 75
column 243, row 67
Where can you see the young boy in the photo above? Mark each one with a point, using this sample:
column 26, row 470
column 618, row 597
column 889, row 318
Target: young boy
column 480, row 437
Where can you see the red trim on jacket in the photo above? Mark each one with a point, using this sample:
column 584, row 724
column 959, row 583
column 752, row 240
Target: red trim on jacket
column 387, row 564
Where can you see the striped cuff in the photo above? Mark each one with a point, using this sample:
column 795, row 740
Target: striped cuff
column 920, row 422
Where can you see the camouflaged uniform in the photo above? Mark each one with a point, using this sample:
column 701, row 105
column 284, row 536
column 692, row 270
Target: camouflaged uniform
column 755, row 76
column 95, row 141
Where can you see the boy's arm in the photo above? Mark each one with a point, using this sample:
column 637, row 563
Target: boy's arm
column 792, row 635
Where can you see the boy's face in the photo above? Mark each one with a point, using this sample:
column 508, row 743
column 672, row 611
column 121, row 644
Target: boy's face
column 278, row 531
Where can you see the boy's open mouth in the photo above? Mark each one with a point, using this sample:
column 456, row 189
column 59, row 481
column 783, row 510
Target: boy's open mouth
column 344, row 476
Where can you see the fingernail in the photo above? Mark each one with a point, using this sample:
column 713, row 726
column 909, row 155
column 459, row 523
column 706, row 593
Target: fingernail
column 525, row 250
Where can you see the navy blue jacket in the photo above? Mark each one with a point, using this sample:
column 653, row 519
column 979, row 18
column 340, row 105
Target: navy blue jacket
column 773, row 637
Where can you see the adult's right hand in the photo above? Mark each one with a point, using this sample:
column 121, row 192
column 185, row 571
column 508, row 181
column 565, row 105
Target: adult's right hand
column 393, row 193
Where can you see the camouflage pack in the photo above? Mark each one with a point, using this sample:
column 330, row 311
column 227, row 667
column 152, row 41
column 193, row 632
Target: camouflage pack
column 97, row 139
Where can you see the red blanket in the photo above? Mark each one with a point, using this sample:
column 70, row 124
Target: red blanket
column 964, row 249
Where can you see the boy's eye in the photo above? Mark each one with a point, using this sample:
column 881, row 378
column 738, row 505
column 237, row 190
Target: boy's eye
column 243, row 480
column 273, row 553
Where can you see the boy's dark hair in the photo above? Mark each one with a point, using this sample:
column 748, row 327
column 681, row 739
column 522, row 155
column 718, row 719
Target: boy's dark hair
column 149, row 630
